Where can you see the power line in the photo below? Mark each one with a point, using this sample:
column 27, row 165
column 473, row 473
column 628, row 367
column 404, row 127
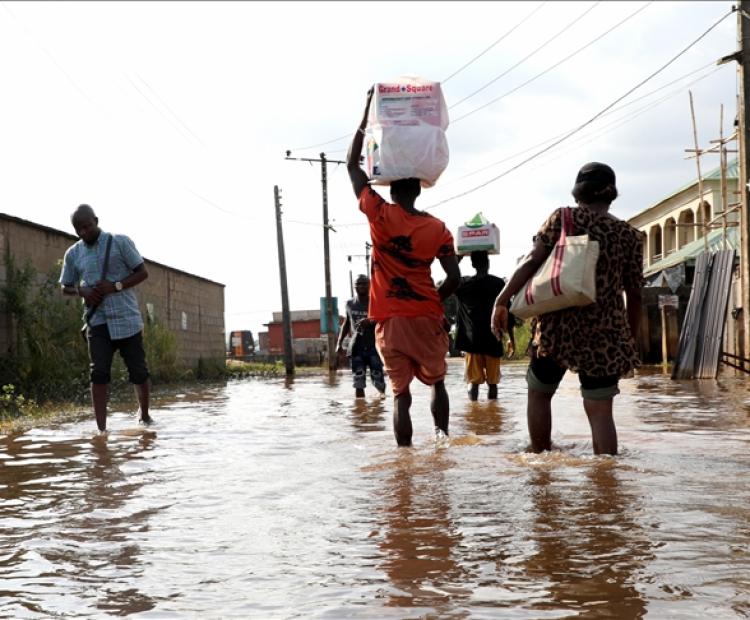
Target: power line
column 478, row 56
column 525, row 58
column 623, row 120
column 314, row 146
column 588, row 122
column 49, row 55
column 628, row 117
column 347, row 135
column 169, row 109
column 557, row 64
column 612, row 111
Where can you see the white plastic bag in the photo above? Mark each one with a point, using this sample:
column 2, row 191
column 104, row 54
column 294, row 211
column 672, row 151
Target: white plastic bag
column 406, row 132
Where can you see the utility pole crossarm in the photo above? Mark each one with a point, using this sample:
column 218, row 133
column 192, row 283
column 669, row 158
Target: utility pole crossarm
column 331, row 322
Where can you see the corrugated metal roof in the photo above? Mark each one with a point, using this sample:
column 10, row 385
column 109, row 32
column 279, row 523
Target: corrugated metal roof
column 733, row 172
column 690, row 251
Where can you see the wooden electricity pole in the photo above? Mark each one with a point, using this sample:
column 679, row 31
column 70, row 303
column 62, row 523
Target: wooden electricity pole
column 285, row 315
column 330, row 322
column 743, row 138
column 742, row 56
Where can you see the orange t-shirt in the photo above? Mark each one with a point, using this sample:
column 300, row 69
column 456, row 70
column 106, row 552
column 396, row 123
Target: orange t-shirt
column 403, row 248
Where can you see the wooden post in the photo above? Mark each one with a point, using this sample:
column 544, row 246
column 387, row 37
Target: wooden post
column 331, row 323
column 285, row 314
column 698, row 153
column 743, row 109
column 664, row 340
column 723, row 168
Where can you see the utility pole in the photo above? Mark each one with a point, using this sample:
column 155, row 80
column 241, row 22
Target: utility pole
column 285, row 315
column 742, row 57
column 743, row 137
column 330, row 322
column 351, row 281
column 366, row 256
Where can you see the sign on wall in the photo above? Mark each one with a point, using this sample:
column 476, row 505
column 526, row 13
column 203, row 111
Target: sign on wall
column 668, row 301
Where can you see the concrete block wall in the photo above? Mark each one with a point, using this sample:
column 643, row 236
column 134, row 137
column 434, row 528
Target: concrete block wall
column 165, row 295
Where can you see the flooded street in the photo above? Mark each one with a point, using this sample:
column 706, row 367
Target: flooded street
column 270, row 500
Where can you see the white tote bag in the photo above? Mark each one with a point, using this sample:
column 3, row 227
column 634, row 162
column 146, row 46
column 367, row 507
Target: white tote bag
column 566, row 279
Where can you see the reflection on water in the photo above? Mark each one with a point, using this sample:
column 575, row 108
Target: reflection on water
column 67, row 515
column 370, row 415
column 288, row 498
column 588, row 550
column 484, row 418
column 421, row 540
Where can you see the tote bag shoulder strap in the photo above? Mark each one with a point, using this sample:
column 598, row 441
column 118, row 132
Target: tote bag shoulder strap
column 566, row 223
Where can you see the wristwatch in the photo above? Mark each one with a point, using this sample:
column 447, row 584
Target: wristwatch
column 118, row 286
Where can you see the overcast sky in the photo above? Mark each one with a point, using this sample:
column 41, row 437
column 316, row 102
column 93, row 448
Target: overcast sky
column 172, row 119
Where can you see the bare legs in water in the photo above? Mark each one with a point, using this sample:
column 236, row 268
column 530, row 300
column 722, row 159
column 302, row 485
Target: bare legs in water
column 439, row 406
column 599, row 412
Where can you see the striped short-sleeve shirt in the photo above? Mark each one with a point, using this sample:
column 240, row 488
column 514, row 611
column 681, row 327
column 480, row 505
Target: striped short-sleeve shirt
column 82, row 266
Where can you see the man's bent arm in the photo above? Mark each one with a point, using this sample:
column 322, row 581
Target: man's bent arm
column 453, row 277
column 107, row 287
column 356, row 174
column 345, row 327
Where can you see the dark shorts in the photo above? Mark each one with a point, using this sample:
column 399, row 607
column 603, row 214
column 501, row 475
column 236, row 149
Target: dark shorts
column 361, row 360
column 102, row 349
column 544, row 375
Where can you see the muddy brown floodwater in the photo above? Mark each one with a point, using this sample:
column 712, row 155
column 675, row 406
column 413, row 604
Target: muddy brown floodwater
column 268, row 499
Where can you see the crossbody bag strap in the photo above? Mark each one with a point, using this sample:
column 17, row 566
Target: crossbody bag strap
column 105, row 266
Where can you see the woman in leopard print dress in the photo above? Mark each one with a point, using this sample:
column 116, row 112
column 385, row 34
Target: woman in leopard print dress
column 596, row 341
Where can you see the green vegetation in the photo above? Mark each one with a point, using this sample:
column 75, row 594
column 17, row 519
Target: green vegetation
column 237, row 369
column 522, row 335
column 161, row 352
column 47, row 362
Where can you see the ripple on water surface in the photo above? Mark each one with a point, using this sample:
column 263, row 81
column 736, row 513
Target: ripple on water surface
column 281, row 499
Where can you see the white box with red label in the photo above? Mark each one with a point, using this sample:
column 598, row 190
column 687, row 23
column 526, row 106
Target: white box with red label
column 473, row 238
column 406, row 132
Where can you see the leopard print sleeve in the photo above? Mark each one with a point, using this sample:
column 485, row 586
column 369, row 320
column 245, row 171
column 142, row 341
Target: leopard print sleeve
column 633, row 272
column 549, row 233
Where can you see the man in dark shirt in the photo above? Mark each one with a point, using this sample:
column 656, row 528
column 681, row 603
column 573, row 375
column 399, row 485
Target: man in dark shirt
column 476, row 297
column 361, row 350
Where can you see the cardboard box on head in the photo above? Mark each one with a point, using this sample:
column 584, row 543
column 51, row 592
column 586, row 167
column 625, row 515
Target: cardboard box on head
column 478, row 234
column 406, row 132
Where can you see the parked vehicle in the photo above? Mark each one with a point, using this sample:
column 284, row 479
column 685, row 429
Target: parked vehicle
column 241, row 343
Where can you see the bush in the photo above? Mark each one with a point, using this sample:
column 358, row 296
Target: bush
column 522, row 334
column 161, row 352
column 14, row 405
column 239, row 369
column 48, row 359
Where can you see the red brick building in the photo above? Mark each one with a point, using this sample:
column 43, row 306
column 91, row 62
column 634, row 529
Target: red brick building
column 305, row 327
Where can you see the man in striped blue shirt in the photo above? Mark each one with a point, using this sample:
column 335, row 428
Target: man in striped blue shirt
column 116, row 322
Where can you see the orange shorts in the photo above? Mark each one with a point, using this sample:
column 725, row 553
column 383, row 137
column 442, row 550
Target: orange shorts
column 412, row 346
column 482, row 369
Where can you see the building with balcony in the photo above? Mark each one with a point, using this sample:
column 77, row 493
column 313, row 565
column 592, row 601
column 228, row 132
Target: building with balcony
column 677, row 221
